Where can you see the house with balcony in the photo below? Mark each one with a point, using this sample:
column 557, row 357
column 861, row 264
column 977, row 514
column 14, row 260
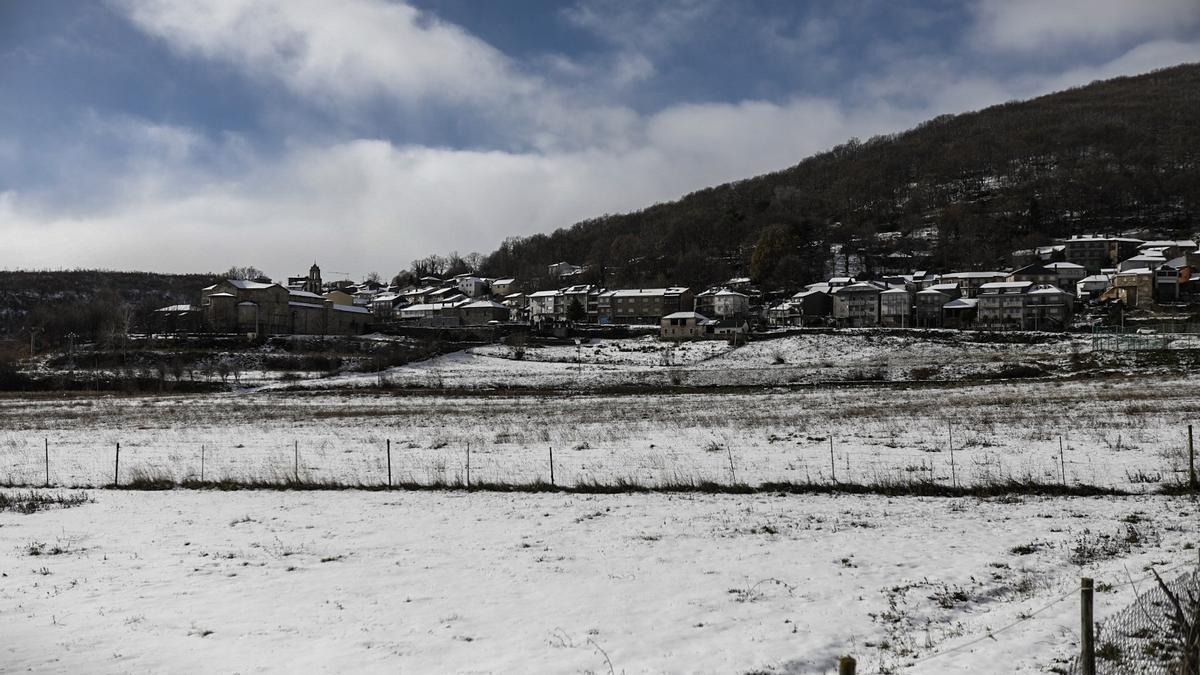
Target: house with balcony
column 722, row 302
column 546, row 306
column 685, row 326
column 1002, row 304
column 642, row 305
column 896, row 308
column 857, row 305
column 1095, row 252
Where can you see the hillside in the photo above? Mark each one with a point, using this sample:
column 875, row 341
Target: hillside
column 86, row 302
column 959, row 191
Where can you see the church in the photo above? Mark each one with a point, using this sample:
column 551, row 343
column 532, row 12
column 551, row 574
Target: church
column 266, row 308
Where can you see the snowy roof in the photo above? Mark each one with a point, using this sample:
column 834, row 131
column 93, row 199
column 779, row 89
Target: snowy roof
column 811, row 291
column 687, row 315
column 483, row 304
column 1048, row 290
column 514, row 296
column 209, row 288
column 1147, row 257
column 247, row 285
column 1181, row 243
column 1096, row 237
column 858, row 287
column 961, row 303
column 1005, row 285
column 932, row 291
column 544, row 294
column 1062, row 266
column 636, row 292
column 305, row 294
column 944, row 287
column 1095, row 278
column 501, row 282
column 895, row 291
column 221, row 295
column 351, row 308
column 386, row 297
column 726, row 291
column 1136, row 272
column 296, row 304
column 973, row 275
column 177, row 308
column 841, row 280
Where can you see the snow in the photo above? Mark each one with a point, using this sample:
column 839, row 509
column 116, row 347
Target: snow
column 189, row 581
column 1121, row 432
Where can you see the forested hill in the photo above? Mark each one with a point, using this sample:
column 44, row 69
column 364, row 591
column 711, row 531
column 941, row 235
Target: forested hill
column 81, row 301
column 956, row 192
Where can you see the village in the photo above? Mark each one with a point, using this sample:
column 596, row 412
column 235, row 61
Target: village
column 1081, row 282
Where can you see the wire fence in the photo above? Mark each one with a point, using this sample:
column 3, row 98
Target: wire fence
column 1141, row 639
column 77, row 460
column 1145, row 637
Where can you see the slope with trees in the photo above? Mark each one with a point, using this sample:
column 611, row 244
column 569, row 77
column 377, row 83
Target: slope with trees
column 956, row 192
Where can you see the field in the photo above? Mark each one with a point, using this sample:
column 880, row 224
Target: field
column 1126, row 432
column 674, row 581
column 191, row 581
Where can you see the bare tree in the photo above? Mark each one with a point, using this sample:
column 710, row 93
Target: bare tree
column 248, row 273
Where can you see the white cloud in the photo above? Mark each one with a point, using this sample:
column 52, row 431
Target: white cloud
column 1038, row 25
column 179, row 200
column 344, row 55
column 363, row 51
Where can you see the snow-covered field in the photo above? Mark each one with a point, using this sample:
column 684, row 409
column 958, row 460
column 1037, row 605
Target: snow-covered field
column 849, row 355
column 200, row 581
column 453, row 581
column 1128, row 432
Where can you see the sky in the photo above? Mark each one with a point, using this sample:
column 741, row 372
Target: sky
column 194, row 135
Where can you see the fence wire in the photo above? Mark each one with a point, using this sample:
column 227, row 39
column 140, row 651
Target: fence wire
column 362, row 458
column 1144, row 638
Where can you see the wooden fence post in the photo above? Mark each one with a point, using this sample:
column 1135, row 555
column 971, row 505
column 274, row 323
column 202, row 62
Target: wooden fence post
column 552, row 465
column 389, row 458
column 1087, row 657
column 847, row 665
column 732, row 473
column 117, row 466
column 201, row 463
column 296, row 459
column 1192, row 462
column 1062, row 462
column 953, row 474
column 832, row 465
column 47, row 462
column 468, row 465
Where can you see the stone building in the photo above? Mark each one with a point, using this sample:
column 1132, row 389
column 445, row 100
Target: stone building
column 264, row 308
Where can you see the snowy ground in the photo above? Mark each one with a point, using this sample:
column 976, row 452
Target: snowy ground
column 191, row 581
column 335, row 581
column 849, row 355
column 1128, row 432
